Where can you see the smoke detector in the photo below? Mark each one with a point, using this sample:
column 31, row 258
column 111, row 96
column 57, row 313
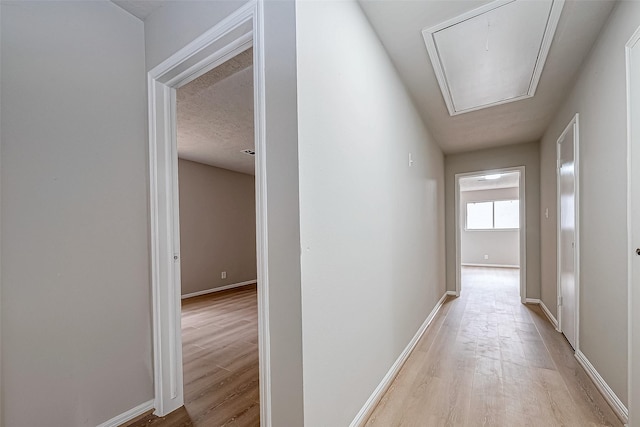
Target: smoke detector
column 249, row 151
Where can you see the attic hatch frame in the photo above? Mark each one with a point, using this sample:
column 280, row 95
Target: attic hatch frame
column 428, row 34
column 233, row 35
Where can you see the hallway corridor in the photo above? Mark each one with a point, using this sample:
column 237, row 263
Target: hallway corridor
column 487, row 360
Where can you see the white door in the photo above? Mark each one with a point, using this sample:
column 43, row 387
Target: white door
column 633, row 73
column 567, row 233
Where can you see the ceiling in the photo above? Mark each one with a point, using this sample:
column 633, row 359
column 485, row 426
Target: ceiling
column 492, row 55
column 215, row 116
column 140, row 8
column 479, row 182
column 399, row 26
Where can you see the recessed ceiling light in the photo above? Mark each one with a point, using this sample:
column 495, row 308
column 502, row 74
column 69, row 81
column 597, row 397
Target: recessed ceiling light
column 493, row 176
column 493, row 54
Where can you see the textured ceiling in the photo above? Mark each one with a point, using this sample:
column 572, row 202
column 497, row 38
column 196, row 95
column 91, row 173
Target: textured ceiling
column 399, row 24
column 215, row 116
column 475, row 183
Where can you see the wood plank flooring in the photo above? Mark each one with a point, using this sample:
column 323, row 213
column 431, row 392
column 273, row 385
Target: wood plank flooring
column 487, row 360
column 220, row 361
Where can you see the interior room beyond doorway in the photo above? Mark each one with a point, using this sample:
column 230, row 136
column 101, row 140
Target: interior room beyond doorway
column 216, row 170
column 490, row 221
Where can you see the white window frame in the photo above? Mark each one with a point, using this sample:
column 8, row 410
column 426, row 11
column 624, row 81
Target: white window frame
column 493, row 206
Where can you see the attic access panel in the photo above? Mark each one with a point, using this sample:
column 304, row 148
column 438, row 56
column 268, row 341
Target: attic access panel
column 494, row 54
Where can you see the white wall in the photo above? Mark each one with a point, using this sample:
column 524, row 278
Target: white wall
column 217, row 226
column 526, row 155
column 76, row 307
column 169, row 29
column 502, row 246
column 371, row 226
column 599, row 96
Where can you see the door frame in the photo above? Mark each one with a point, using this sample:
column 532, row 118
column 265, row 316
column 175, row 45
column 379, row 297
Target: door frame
column 236, row 33
column 523, row 225
column 573, row 123
column 633, row 133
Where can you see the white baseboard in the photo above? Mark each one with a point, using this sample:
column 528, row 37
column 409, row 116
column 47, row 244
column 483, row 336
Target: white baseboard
column 221, row 288
column 129, row 415
column 452, row 293
column 532, row 301
column 550, row 316
column 362, row 416
column 468, row 264
column 616, row 404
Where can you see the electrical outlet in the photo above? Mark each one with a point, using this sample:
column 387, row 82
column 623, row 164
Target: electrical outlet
column 223, row 275
column 486, row 257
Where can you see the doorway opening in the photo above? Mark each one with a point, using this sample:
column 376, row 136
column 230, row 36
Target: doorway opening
column 217, row 211
column 490, row 229
column 568, row 251
column 235, row 34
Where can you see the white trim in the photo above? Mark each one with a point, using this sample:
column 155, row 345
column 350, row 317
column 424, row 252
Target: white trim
column 545, row 310
column 194, row 59
column 434, row 55
column 469, row 264
column 129, row 415
column 219, row 289
column 573, row 123
column 550, row 316
column 242, row 15
column 227, row 52
column 523, row 225
column 452, row 293
column 602, row 386
column 632, row 384
column 262, row 235
column 364, row 413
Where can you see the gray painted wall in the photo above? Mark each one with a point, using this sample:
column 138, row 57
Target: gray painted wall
column 177, row 23
column 76, row 309
column 74, row 205
column 502, row 246
column 371, row 226
column 169, row 29
column 600, row 97
column 526, row 155
column 217, row 226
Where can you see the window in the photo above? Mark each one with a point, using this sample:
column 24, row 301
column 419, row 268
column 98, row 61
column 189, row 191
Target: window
column 495, row 215
column 480, row 216
column 506, row 214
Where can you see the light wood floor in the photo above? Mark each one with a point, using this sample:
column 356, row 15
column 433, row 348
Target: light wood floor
column 487, row 360
column 220, row 361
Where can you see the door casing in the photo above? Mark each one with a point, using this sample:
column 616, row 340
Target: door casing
column 236, row 33
column 632, row 50
column 523, row 226
column 573, row 125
